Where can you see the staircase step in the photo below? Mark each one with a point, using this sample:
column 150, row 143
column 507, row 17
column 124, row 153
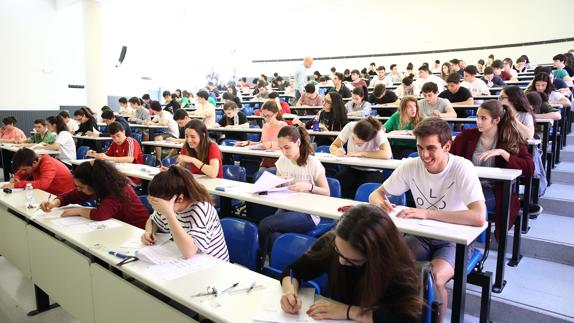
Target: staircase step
column 559, row 199
column 567, row 153
column 564, row 172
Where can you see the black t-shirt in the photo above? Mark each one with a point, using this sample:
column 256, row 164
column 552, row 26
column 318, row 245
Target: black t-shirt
column 389, row 97
column 461, row 95
column 172, row 106
column 225, row 121
column 343, row 91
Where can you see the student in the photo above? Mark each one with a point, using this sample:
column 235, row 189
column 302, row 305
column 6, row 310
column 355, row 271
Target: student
column 520, row 108
column 340, row 88
column 40, row 135
column 114, row 197
column 520, row 66
column 122, row 150
column 184, row 101
column 333, row 117
column 381, row 78
column 171, row 104
column 364, row 241
column 233, row 118
column 47, row 174
column 404, row 121
column 141, row 112
column 70, row 123
column 409, row 72
column 108, row 117
column 125, row 109
column 433, row 106
column 425, row 77
column 262, row 92
column 405, row 88
column 357, row 81
column 146, row 101
column 309, row 97
column 381, row 95
column 184, row 209
column 273, row 122
column 540, row 106
column 358, row 106
column 480, row 66
column 347, row 75
column 365, row 138
column 64, row 140
column 395, row 76
column 444, row 187
column 497, row 68
column 492, row 80
column 283, row 106
column 456, row 93
column 228, row 97
column 204, row 108
column 456, row 68
column 507, row 67
column 446, row 70
column 489, row 60
column 372, row 69
column 476, row 86
column 199, row 154
column 87, row 121
column 9, row 132
column 542, row 83
column 495, row 143
column 164, row 118
column 182, row 118
column 569, row 64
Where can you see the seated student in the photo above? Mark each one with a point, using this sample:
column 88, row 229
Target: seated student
column 456, row 68
column 185, row 100
column 445, row 188
column 433, row 106
column 114, row 197
column 230, row 97
column 340, row 88
column 489, row 60
column 333, row 117
column 262, row 92
column 456, row 93
column 122, row 150
column 395, row 75
column 233, row 118
column 87, row 121
column 542, row 83
column 41, row 135
column 272, row 123
column 560, row 72
column 405, row 88
column 204, row 108
column 347, row 75
column 476, row 86
column 70, row 123
column 497, row 68
column 125, row 109
column 171, row 104
column 404, row 121
column 381, row 78
column 424, row 77
column 492, row 80
column 381, row 95
column 200, row 154
column 310, row 97
column 495, row 143
column 410, row 71
column 352, row 255
column 108, row 117
column 540, row 106
column 480, row 66
column 520, row 65
column 141, row 112
column 308, row 175
column 558, row 84
column 163, row 118
column 64, row 140
column 43, row 172
column 9, row 132
column 515, row 99
column 507, row 67
column 283, row 106
column 358, row 106
column 182, row 118
column 356, row 80
column 364, row 139
column 184, row 209
column 569, row 63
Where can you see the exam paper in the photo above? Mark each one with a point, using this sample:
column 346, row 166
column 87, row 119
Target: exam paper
column 159, row 254
column 78, row 224
column 267, row 182
column 444, row 225
column 179, row 267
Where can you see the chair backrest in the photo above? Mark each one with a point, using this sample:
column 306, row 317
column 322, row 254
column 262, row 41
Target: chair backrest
column 363, row 191
column 137, row 136
column 253, row 137
column 149, row 160
column 234, row 173
column 287, row 248
column 228, row 142
column 242, row 240
column 81, row 152
column 167, row 161
column 272, row 170
column 428, row 294
column 145, row 202
column 334, row 187
column 322, row 149
column 413, row 155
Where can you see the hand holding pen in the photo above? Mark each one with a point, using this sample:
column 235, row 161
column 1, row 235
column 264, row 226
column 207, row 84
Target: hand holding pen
column 290, row 302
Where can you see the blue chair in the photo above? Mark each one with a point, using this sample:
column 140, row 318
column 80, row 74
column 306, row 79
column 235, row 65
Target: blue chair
column 145, row 202
column 81, row 152
column 138, row 137
column 287, row 248
column 218, row 115
column 149, row 160
column 430, row 306
column 413, row 155
column 89, row 203
column 228, row 142
column 257, row 211
column 234, row 173
column 330, row 169
column 255, row 137
column 168, row 161
column 242, row 240
column 363, row 192
column 327, row 224
column 322, row 149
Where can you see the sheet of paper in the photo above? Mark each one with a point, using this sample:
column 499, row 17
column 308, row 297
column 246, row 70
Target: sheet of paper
column 159, row 254
column 161, row 238
column 69, row 221
column 444, row 225
column 179, row 267
column 266, row 182
column 255, row 147
column 78, row 224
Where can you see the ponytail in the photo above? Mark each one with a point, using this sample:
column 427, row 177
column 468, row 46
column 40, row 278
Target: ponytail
column 298, row 133
column 367, row 129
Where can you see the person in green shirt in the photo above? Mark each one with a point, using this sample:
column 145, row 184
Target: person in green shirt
column 41, row 135
column 402, row 122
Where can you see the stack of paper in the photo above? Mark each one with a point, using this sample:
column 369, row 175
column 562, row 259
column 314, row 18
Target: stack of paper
column 268, row 182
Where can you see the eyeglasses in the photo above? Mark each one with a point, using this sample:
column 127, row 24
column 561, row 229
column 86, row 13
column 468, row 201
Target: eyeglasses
column 353, row 262
column 267, row 116
column 502, row 97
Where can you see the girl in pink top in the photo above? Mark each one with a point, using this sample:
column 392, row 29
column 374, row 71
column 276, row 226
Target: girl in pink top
column 9, row 132
column 273, row 123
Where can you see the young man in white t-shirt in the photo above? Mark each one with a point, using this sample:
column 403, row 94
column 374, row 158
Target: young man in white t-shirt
column 445, row 188
column 475, row 85
column 424, row 77
column 381, row 78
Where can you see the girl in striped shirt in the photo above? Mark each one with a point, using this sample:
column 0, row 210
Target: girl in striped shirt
column 184, row 208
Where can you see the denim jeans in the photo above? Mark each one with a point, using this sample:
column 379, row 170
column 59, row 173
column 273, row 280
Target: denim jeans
column 282, row 222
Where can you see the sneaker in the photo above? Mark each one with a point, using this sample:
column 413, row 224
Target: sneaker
column 534, row 211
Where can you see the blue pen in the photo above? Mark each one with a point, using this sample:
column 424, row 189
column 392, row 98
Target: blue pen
column 117, row 254
column 292, row 286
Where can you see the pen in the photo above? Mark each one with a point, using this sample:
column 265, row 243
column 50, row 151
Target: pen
column 230, row 287
column 251, row 287
column 117, row 254
column 292, row 286
column 384, row 195
column 49, row 197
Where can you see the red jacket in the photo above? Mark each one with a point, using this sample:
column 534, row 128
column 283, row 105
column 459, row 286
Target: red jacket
column 464, row 146
column 130, row 211
column 51, row 176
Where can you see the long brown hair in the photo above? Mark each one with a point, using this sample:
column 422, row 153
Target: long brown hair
column 175, row 181
column 370, row 231
column 202, row 150
column 509, row 138
column 404, row 119
column 367, row 129
column 272, row 106
column 103, row 177
column 298, row 133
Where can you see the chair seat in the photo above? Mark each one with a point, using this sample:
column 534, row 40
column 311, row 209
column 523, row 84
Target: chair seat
column 475, row 257
column 323, row 226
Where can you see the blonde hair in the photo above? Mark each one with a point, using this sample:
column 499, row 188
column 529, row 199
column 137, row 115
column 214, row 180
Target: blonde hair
column 403, row 116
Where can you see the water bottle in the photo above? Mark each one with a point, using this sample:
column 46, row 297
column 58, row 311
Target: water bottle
column 29, row 195
column 315, row 125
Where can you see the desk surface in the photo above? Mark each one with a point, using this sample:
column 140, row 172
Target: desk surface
column 92, row 138
column 15, row 148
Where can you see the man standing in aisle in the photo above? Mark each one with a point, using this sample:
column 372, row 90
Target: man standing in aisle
column 301, row 76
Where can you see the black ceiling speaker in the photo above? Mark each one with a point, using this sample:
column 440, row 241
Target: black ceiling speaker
column 122, row 55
